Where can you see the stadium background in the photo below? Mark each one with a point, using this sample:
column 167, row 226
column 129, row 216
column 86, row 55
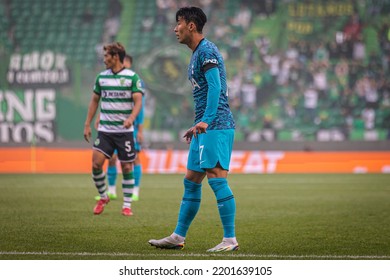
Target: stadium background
column 308, row 81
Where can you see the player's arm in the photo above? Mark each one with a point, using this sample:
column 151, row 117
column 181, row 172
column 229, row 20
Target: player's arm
column 137, row 98
column 214, row 90
column 140, row 135
column 138, row 92
column 92, row 108
column 140, row 122
column 97, row 120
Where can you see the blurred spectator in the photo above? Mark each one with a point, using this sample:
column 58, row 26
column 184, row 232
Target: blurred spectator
column 353, row 29
column 221, row 29
column 111, row 28
column 87, row 16
column 368, row 116
column 264, row 7
column 263, row 44
column 310, row 104
column 342, row 71
column 115, row 8
column 359, row 49
column 320, row 81
column 242, row 18
column 273, row 61
column 147, row 24
column 248, row 95
column 163, row 7
column 321, row 55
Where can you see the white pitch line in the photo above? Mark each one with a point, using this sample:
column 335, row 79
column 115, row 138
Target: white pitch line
column 230, row 255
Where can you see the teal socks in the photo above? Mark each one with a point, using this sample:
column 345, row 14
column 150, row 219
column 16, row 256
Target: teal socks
column 189, row 206
column 137, row 174
column 111, row 175
column 226, row 205
column 191, row 202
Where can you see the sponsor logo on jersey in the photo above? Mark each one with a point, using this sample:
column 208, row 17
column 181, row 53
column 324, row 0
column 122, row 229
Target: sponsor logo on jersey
column 115, row 94
column 212, row 61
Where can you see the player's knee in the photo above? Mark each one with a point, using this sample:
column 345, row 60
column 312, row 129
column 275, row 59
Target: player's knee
column 191, row 186
column 112, row 161
column 127, row 168
column 96, row 165
column 217, row 184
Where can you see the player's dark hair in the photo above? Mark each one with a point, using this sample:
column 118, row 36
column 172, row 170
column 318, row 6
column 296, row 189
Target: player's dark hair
column 116, row 48
column 192, row 14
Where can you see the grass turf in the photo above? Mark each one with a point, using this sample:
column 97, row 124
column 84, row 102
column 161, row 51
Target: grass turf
column 300, row 216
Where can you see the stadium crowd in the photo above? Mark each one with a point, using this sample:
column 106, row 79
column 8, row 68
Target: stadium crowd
column 337, row 83
column 283, row 84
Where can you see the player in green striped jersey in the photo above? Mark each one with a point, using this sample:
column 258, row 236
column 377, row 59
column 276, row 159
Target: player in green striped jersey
column 112, row 171
column 119, row 92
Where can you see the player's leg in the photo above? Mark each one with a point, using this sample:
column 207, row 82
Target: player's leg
column 112, row 174
column 188, row 209
column 217, row 178
column 111, row 177
column 126, row 155
column 98, row 174
column 101, row 150
column 190, row 202
column 137, row 167
column 137, row 177
column 127, row 187
column 217, row 148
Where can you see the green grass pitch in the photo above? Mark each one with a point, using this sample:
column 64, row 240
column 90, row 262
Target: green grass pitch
column 300, row 216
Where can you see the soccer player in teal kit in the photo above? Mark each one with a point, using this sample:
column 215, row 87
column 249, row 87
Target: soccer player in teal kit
column 211, row 137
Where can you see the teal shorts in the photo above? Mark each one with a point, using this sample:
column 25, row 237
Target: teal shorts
column 209, row 149
column 137, row 145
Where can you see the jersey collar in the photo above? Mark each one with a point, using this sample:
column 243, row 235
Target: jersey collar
column 118, row 71
column 198, row 45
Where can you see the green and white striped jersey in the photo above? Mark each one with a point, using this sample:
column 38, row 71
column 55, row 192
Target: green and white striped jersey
column 116, row 103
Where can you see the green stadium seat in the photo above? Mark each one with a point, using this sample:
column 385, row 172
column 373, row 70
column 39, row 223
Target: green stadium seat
column 357, row 134
column 382, row 134
column 285, row 135
column 239, row 136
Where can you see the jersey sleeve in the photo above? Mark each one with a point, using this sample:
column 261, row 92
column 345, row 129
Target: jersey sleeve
column 208, row 60
column 213, row 94
column 96, row 87
column 137, row 85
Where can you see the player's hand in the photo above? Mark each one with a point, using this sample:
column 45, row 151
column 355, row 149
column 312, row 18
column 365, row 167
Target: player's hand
column 140, row 137
column 188, row 135
column 199, row 128
column 97, row 124
column 128, row 122
column 87, row 133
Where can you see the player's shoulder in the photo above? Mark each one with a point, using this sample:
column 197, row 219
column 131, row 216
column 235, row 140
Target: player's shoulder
column 128, row 72
column 208, row 53
column 207, row 48
column 106, row 72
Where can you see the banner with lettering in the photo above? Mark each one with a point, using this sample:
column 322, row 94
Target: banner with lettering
column 37, row 69
column 46, row 160
column 28, row 116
